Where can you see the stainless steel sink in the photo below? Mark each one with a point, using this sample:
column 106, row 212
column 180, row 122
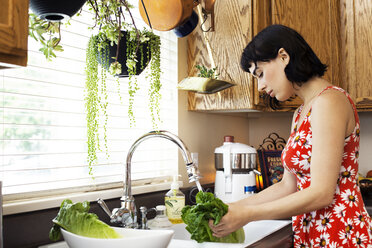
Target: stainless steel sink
column 254, row 231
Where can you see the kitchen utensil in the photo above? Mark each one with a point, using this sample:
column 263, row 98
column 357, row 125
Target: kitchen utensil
column 235, row 165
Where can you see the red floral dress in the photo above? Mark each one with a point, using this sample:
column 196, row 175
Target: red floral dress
column 344, row 223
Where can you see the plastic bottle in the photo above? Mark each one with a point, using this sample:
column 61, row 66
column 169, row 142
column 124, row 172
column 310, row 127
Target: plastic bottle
column 174, row 202
column 161, row 220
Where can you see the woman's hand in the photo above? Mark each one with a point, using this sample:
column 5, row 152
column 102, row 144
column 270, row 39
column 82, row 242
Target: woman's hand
column 236, row 217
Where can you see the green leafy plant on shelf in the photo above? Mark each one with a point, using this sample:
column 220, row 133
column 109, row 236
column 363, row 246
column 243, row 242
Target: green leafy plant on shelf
column 207, row 73
column 110, row 19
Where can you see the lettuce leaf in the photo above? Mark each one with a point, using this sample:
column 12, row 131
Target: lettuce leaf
column 196, row 218
column 74, row 217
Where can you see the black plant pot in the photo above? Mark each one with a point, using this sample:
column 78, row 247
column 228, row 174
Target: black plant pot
column 55, row 10
column 143, row 56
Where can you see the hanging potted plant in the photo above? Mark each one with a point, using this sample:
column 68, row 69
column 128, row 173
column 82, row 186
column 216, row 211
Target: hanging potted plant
column 124, row 51
column 127, row 46
column 54, row 11
column 45, row 22
column 48, row 34
column 118, row 48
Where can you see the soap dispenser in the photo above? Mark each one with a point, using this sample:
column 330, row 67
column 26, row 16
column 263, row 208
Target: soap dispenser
column 174, row 202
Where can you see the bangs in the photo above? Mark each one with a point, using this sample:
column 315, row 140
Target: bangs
column 255, row 52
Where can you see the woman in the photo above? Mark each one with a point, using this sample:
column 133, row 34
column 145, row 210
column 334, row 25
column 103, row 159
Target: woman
column 319, row 188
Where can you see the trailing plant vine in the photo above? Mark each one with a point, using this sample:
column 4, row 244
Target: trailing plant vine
column 92, row 102
column 132, row 82
column 96, row 99
column 154, row 75
column 109, row 22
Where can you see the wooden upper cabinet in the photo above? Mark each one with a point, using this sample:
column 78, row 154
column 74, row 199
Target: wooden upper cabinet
column 337, row 30
column 233, row 30
column 356, row 37
column 318, row 21
column 13, row 32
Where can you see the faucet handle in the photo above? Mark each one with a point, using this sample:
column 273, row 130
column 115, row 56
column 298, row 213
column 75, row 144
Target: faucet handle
column 144, row 212
column 103, row 205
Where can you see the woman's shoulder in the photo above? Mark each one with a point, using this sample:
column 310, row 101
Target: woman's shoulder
column 332, row 96
column 333, row 102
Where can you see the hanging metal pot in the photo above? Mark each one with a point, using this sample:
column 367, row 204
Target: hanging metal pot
column 55, row 10
column 165, row 15
column 188, row 26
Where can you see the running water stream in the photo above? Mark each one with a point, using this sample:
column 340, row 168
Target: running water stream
column 199, row 185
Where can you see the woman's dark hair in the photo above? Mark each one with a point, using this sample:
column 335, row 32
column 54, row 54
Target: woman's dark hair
column 303, row 63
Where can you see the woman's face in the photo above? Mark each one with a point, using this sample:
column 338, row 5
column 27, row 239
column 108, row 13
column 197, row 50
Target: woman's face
column 271, row 77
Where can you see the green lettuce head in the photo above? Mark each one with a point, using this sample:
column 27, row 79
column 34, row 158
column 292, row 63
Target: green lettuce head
column 197, row 217
column 74, row 218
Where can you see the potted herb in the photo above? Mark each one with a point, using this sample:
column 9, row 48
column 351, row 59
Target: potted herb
column 206, row 82
column 207, row 73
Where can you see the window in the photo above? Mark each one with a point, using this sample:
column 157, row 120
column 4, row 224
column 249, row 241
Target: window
column 43, row 126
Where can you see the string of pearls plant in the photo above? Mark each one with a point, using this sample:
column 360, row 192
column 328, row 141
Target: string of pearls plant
column 110, row 19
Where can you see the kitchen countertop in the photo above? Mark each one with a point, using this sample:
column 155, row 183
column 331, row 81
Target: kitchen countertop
column 279, row 239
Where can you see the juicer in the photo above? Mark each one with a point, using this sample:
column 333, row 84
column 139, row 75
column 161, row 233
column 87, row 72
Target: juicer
column 235, row 165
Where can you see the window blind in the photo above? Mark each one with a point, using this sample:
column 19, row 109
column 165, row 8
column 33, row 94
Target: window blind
column 43, row 126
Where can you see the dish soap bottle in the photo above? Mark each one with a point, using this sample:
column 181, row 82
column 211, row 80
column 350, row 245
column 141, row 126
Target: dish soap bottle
column 174, row 202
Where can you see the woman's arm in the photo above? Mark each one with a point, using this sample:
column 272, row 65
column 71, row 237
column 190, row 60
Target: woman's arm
column 329, row 121
column 283, row 188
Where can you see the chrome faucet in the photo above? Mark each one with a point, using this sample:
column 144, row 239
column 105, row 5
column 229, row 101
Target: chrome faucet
column 126, row 215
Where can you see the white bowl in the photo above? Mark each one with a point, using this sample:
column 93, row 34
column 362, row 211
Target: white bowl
column 132, row 238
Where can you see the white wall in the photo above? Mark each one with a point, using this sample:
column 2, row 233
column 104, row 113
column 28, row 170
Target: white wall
column 203, row 132
column 365, row 154
column 262, row 124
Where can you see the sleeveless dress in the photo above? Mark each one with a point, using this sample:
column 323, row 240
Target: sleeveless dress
column 345, row 223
